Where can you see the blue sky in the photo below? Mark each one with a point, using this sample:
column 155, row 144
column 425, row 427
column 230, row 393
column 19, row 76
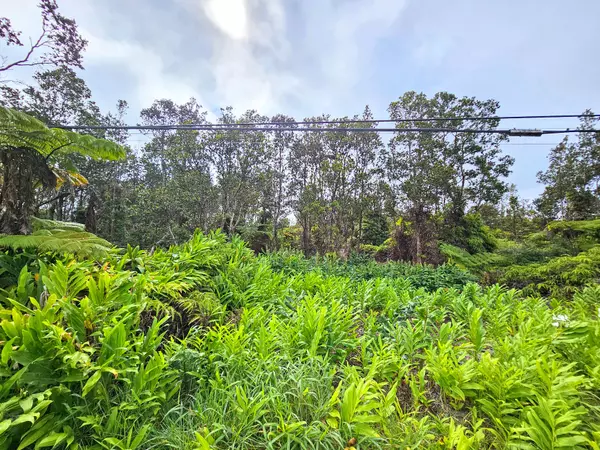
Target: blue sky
column 308, row 57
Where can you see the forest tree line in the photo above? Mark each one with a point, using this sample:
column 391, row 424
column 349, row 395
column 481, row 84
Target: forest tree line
column 321, row 192
column 328, row 191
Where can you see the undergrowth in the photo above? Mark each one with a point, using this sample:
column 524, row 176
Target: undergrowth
column 205, row 346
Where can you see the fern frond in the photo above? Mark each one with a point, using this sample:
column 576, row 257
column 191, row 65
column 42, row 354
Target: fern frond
column 20, row 130
column 65, row 142
column 47, row 224
column 61, row 241
column 475, row 262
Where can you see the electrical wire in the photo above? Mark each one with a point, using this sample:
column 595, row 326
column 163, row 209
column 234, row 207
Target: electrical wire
column 342, row 121
column 220, row 127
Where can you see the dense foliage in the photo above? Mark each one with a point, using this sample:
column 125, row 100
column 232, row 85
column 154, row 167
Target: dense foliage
column 328, row 191
column 364, row 268
column 207, row 346
column 313, row 336
column 556, row 262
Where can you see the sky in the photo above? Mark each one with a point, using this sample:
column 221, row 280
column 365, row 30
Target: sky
column 310, row 57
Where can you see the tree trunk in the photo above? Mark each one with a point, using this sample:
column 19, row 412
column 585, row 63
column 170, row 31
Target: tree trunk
column 418, row 259
column 420, row 219
column 90, row 214
column 275, row 237
column 306, row 237
column 21, row 168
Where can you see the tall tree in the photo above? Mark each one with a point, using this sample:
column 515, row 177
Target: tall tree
column 367, row 197
column 175, row 189
column 107, row 195
column 61, row 97
column 571, row 180
column 414, row 166
column 275, row 201
column 441, row 171
column 305, row 188
column 239, row 159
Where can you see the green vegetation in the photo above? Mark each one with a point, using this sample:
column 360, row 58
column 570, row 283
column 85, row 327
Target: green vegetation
column 206, row 346
column 554, row 263
column 360, row 267
column 391, row 295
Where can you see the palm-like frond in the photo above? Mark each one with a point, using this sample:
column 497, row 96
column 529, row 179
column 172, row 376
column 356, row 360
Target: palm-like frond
column 478, row 262
column 20, row 130
column 77, row 242
column 65, row 142
column 47, row 224
column 12, row 120
column 61, row 237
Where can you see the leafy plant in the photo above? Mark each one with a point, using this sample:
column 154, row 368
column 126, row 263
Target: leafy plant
column 205, row 346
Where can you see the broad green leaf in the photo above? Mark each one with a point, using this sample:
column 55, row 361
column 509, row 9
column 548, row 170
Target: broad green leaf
column 29, row 417
column 7, row 351
column 91, row 382
column 26, row 404
column 52, row 440
column 140, row 437
column 5, row 425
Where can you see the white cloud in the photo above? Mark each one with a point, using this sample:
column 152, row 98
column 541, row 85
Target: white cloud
column 151, row 79
column 310, row 67
column 260, row 54
column 247, row 63
column 229, row 16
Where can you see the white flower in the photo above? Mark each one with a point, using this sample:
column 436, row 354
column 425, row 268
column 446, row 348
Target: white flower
column 560, row 318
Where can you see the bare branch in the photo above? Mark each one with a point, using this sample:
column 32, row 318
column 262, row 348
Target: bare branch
column 25, row 61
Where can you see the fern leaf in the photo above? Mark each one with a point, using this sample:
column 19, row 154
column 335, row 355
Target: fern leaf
column 60, row 241
column 47, row 224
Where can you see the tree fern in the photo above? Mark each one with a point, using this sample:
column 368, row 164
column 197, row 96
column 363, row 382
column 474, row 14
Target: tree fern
column 34, row 155
column 47, row 224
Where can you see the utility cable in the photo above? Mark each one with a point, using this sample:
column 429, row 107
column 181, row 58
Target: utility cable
column 351, row 121
column 221, row 127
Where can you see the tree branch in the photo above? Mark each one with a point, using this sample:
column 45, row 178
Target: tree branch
column 53, row 199
column 23, row 61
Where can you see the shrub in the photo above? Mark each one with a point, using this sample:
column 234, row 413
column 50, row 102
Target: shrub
column 559, row 277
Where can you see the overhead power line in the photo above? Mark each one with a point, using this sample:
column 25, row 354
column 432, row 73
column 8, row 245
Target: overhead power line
column 220, row 127
column 332, row 122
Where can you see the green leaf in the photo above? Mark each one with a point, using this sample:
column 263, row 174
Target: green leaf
column 365, row 430
column 29, row 417
column 40, row 429
column 52, row 440
column 5, row 425
column 7, row 351
column 91, row 382
column 26, row 404
column 332, row 422
column 114, row 442
column 140, row 437
column 571, row 441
